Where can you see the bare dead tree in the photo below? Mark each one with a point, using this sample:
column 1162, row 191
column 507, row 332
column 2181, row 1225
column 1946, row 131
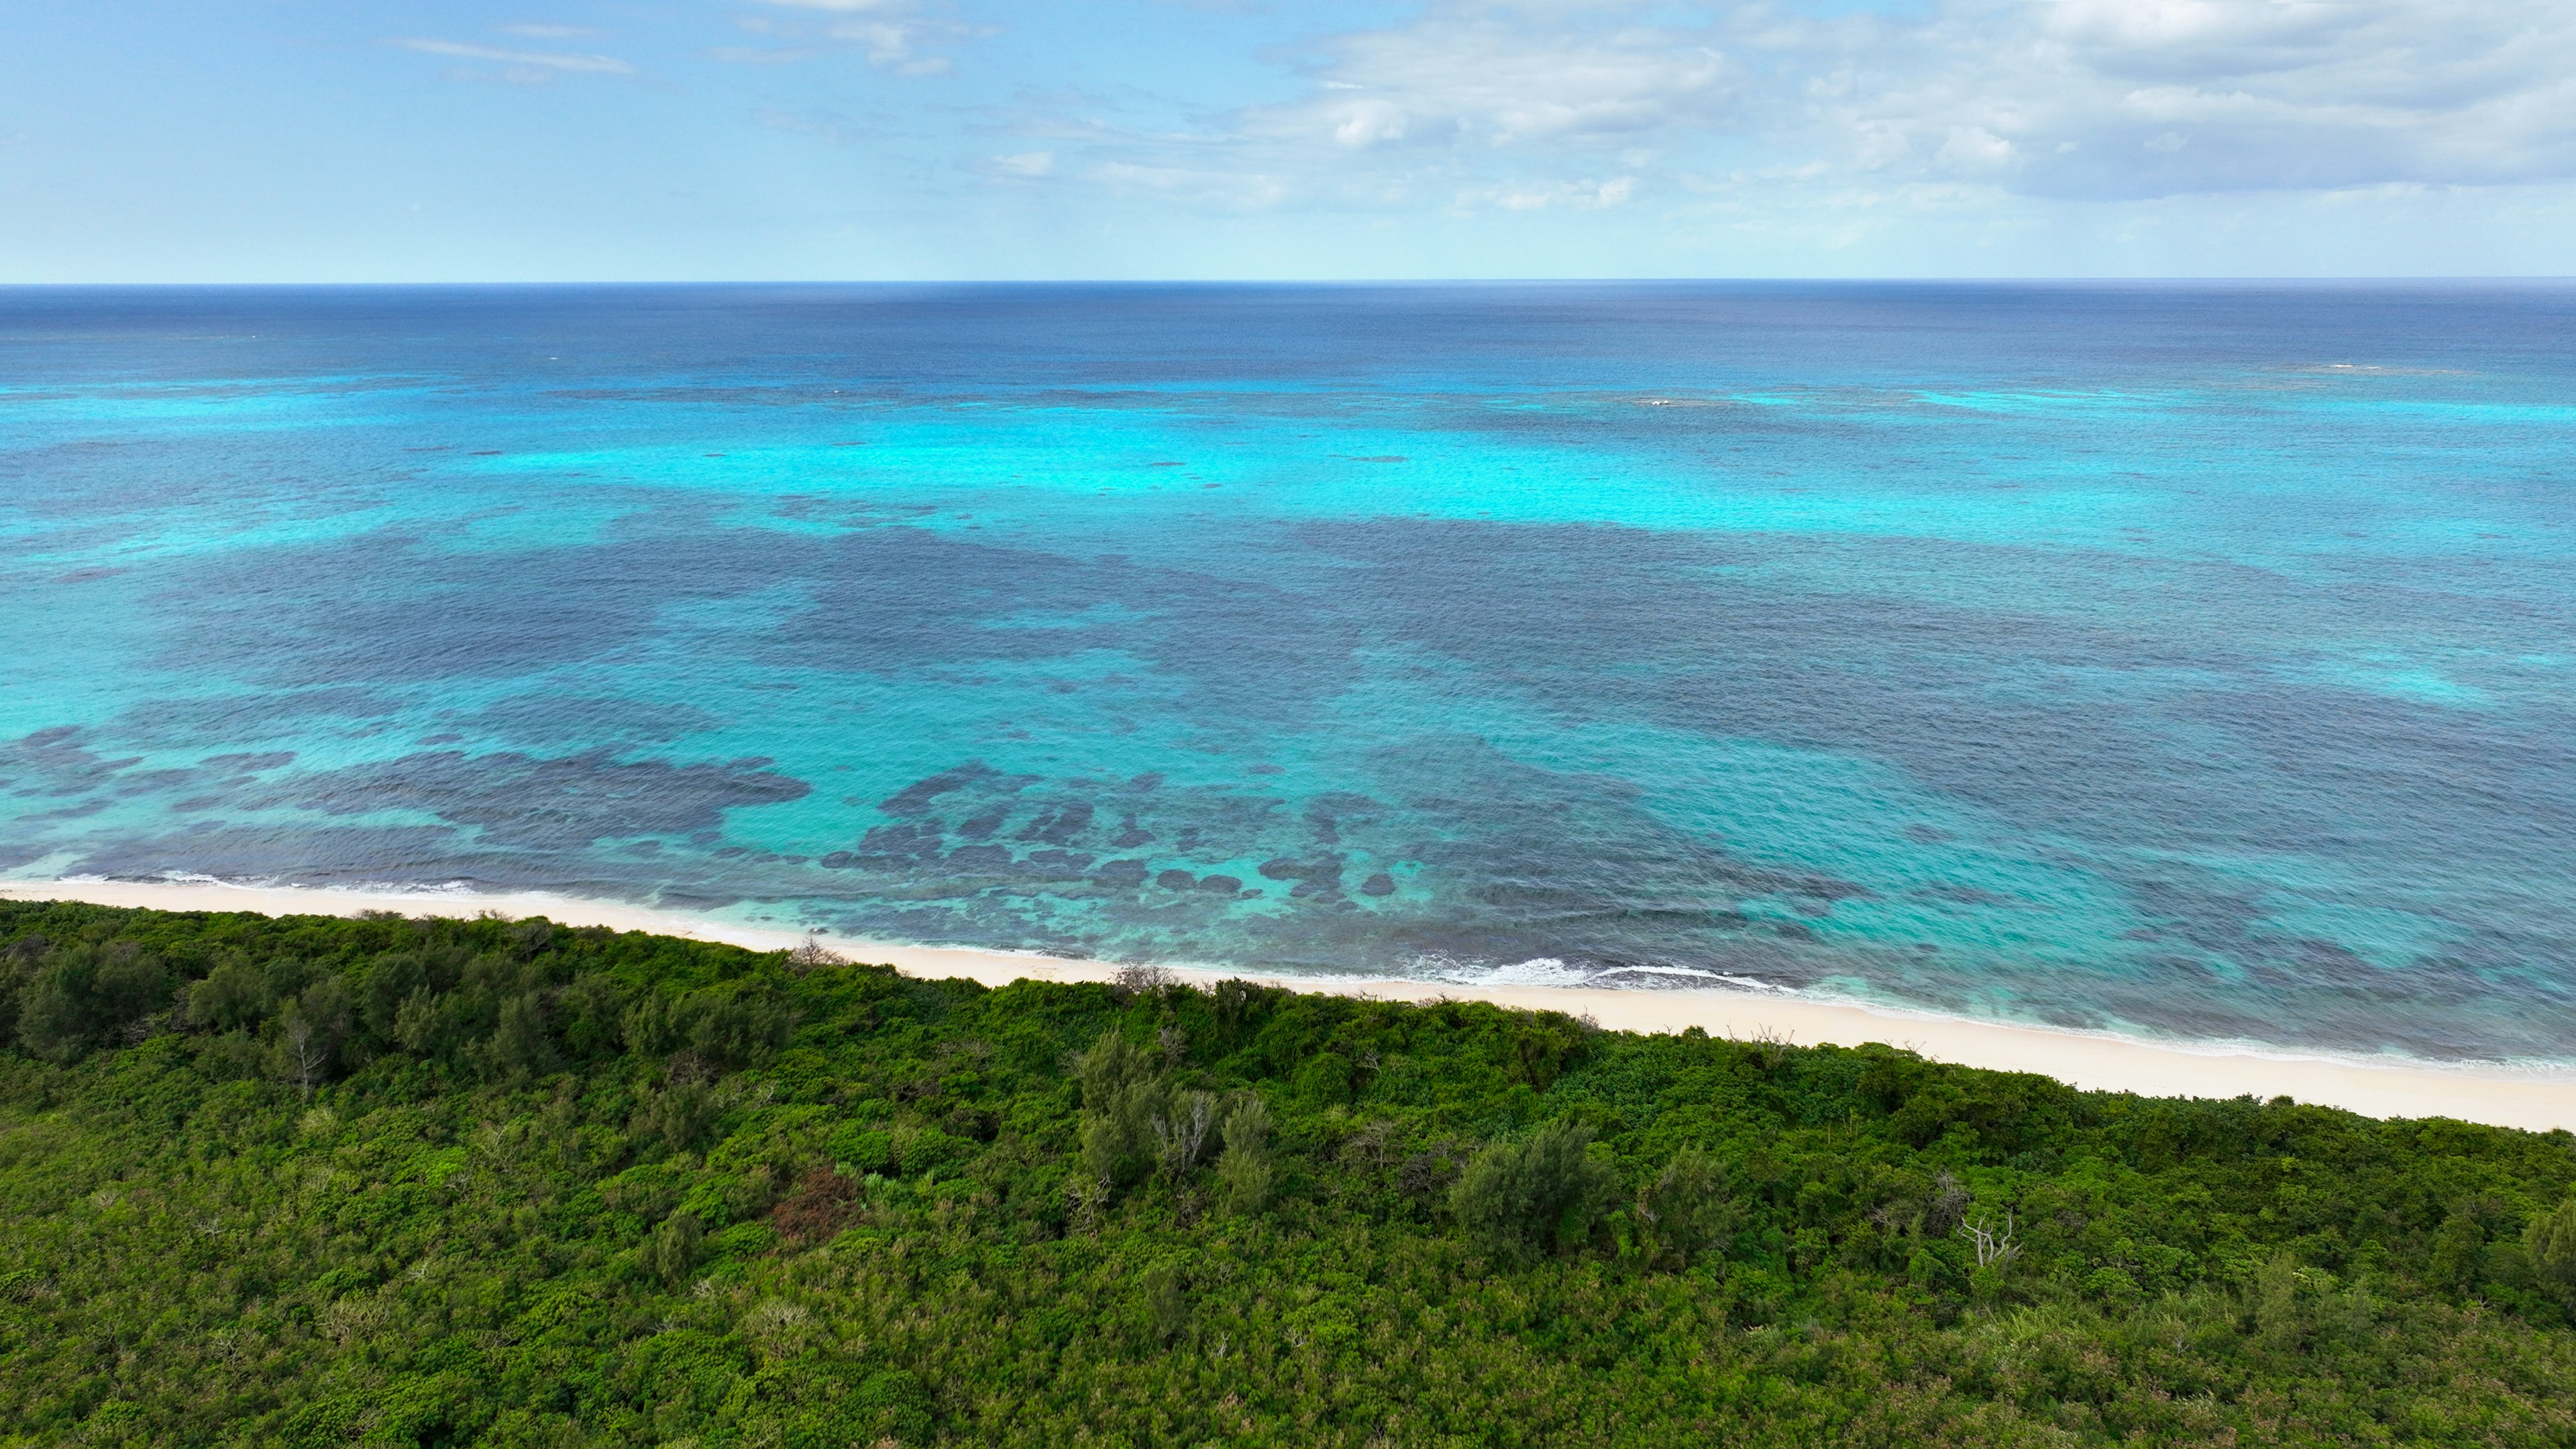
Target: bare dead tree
column 812, row 953
column 307, row 1049
column 1768, row 1044
column 806, row 954
column 1994, row 1249
column 1183, row 1131
column 1371, row 1144
column 1142, row 980
column 1088, row 1195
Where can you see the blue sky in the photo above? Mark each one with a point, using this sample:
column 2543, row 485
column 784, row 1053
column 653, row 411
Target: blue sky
column 242, row 140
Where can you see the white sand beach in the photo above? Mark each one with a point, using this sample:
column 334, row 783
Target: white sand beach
column 2538, row 1099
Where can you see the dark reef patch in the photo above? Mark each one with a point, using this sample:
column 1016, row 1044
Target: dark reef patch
column 528, row 802
column 916, row 797
column 269, row 760
column 1060, row 825
column 58, row 762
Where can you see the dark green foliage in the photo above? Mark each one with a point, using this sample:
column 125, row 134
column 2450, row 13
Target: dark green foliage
column 520, row 1046
column 2550, row 1246
column 1544, row 1190
column 739, row 1025
column 79, row 994
column 233, row 996
column 313, row 1181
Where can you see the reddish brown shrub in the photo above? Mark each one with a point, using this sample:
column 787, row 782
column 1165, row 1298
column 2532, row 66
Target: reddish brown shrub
column 822, row 1203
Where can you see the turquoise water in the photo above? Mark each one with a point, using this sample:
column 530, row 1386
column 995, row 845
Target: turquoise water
column 2182, row 660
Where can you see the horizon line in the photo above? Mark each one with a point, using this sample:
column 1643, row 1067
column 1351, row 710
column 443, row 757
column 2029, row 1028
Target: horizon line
column 2056, row 279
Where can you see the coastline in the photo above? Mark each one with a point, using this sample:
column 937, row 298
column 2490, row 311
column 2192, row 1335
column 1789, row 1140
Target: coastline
column 2532, row 1098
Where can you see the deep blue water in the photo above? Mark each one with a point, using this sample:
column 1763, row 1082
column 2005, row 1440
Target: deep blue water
column 2184, row 660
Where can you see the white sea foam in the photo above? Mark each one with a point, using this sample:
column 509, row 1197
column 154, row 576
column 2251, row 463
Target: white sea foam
column 1550, row 971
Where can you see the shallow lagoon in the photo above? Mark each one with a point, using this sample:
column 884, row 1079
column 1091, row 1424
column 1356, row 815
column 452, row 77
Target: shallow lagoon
column 2188, row 660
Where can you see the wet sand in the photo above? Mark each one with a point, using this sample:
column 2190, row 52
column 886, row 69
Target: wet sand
column 2540, row 1099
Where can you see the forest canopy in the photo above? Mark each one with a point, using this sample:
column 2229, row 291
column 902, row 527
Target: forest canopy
column 314, row 1180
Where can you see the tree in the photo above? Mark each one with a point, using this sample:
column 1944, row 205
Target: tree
column 591, row 1007
column 679, row 1116
column 81, row 993
column 55, row 1018
column 671, row 1254
column 740, row 1027
column 1133, row 981
column 2550, row 1241
column 1996, row 1251
column 2460, row 1246
column 2278, row 1323
column 1244, row 1170
column 310, row 1032
column 234, row 995
column 391, row 981
column 520, row 1046
column 1181, row 1130
column 1247, row 1180
column 1166, row 1295
column 813, row 953
column 1544, row 1190
column 1685, row 1210
column 1123, row 1097
column 1109, row 1068
column 653, row 1025
column 302, row 1050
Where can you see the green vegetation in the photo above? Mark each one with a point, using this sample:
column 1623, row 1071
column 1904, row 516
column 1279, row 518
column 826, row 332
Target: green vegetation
column 318, row 1181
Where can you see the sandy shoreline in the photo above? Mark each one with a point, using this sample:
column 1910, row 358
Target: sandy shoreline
column 2537, row 1099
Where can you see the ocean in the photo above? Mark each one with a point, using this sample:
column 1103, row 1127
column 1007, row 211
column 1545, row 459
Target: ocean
column 2191, row 661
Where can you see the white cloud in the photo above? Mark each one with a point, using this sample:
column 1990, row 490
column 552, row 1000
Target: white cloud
column 1225, row 189
column 1365, row 123
column 1579, row 195
column 886, row 42
column 1025, row 163
column 1524, row 104
column 2141, row 98
column 1503, row 78
column 1469, row 106
column 888, row 32
column 1974, row 149
column 525, row 61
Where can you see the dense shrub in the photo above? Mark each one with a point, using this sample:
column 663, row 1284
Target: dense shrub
column 310, row 1181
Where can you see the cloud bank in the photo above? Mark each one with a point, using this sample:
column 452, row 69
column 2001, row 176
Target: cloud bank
column 1523, row 105
column 1329, row 138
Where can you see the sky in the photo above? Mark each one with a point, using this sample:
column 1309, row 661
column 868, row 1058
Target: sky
column 567, row 140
